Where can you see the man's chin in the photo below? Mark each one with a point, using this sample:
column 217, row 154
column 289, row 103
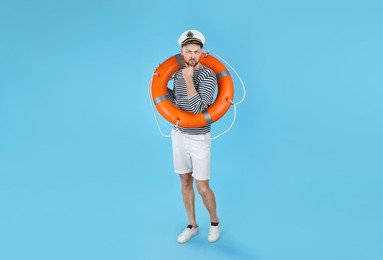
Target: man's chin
column 193, row 64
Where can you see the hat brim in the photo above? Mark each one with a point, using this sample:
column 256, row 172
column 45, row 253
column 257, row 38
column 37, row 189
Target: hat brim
column 192, row 41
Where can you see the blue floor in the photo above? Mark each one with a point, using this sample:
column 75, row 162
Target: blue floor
column 85, row 174
column 103, row 206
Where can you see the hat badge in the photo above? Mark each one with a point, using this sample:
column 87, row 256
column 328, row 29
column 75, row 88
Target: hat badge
column 189, row 34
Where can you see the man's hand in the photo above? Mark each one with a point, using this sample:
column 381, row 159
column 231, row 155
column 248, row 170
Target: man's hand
column 188, row 72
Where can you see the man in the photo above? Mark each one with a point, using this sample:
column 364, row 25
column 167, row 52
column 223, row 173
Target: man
column 193, row 91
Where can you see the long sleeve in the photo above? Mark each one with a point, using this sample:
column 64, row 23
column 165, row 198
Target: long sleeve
column 171, row 96
column 202, row 99
column 205, row 83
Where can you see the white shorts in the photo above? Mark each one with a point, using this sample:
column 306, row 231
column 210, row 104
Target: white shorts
column 191, row 153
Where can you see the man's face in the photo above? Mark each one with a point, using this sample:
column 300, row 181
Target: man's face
column 191, row 54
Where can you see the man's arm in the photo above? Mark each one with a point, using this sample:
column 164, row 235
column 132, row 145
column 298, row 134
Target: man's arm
column 199, row 101
column 171, row 96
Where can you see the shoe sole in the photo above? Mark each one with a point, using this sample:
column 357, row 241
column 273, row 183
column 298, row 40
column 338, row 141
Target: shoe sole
column 212, row 241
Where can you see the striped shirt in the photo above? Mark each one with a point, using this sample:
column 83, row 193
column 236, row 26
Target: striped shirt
column 205, row 82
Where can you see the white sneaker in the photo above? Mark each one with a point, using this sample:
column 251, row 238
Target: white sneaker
column 214, row 233
column 187, row 234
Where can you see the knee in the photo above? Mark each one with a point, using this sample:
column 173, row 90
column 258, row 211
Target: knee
column 203, row 191
column 187, row 183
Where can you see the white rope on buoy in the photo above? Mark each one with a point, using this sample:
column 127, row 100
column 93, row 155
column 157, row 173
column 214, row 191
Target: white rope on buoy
column 236, row 73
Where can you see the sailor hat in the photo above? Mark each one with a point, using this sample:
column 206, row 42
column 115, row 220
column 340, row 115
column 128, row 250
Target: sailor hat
column 191, row 36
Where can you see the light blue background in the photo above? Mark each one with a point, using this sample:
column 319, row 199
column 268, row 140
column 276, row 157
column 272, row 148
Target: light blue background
column 84, row 173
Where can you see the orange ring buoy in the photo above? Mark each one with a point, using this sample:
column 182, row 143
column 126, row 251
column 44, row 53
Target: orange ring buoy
column 174, row 114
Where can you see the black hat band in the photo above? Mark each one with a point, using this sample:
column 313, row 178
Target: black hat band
column 192, row 41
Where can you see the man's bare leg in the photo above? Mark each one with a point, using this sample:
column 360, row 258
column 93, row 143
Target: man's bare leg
column 208, row 199
column 188, row 197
